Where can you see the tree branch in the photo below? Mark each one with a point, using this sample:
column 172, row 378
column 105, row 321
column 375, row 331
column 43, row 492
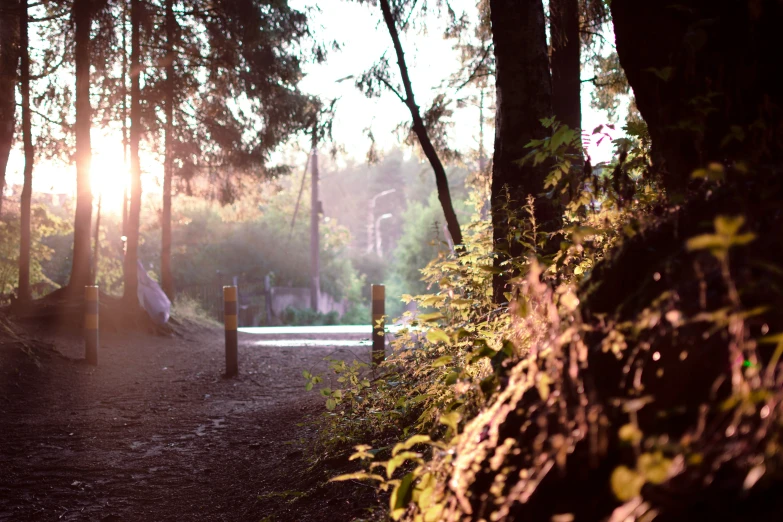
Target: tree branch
column 441, row 181
column 392, row 89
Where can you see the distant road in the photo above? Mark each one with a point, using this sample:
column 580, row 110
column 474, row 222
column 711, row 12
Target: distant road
column 315, row 336
column 340, row 329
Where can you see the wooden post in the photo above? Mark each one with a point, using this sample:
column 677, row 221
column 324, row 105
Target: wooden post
column 91, row 324
column 378, row 332
column 230, row 310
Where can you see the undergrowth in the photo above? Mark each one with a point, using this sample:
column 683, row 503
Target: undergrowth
column 190, row 309
column 572, row 399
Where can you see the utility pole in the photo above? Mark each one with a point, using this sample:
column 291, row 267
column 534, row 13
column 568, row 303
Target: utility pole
column 315, row 210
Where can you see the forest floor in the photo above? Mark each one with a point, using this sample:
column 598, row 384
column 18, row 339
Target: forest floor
column 155, row 433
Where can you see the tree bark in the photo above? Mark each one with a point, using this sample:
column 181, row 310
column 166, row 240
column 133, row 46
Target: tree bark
column 165, row 228
column 134, row 214
column 124, row 117
column 96, row 247
column 29, row 158
column 524, row 97
column 565, row 62
column 80, row 269
column 710, row 87
column 441, row 181
column 9, row 59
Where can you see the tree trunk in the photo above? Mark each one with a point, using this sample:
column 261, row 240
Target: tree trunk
column 9, row 59
column 80, row 269
column 441, row 181
column 29, row 158
column 565, row 62
column 96, row 247
column 134, row 215
column 124, row 117
column 524, row 97
column 711, row 55
column 165, row 226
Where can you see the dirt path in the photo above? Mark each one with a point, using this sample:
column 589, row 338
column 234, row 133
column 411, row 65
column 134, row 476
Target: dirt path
column 154, row 432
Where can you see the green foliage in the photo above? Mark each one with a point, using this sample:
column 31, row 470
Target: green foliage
column 185, row 307
column 421, row 240
column 465, row 366
column 725, row 237
column 44, row 226
column 306, row 316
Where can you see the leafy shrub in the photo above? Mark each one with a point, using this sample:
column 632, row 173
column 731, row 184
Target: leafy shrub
column 636, row 361
column 185, row 307
column 307, row 317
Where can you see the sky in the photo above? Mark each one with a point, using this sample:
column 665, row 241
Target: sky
column 363, row 39
column 431, row 61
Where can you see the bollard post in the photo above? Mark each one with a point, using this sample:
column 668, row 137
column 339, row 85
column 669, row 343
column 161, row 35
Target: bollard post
column 91, row 325
column 378, row 333
column 230, row 321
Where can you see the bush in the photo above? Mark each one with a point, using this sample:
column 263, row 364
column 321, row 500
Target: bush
column 185, row 307
column 307, row 317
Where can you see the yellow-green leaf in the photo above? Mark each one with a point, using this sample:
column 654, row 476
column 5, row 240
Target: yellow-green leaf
column 441, row 361
column 630, row 434
column 408, row 444
column 360, row 475
column 654, row 467
column 435, row 335
column 626, row 483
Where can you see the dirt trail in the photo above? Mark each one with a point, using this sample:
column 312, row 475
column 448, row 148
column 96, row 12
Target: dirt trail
column 154, row 432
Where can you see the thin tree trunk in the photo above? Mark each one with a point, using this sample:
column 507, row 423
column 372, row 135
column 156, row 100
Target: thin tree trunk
column 524, row 97
column 566, row 63
column 9, row 59
column 96, row 249
column 29, row 158
column 80, row 269
column 165, row 228
column 124, row 117
column 134, row 215
column 441, row 181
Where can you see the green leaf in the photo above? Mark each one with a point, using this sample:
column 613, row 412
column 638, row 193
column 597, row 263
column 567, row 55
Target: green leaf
column 408, row 444
column 451, row 420
column 401, row 496
column 331, row 404
column 441, row 361
column 626, row 483
column 654, row 467
column 561, row 136
column 435, row 335
column 664, row 73
column 430, row 317
column 705, row 242
column 359, row 475
column 743, row 239
column 630, row 434
column 728, row 225
column 399, row 459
